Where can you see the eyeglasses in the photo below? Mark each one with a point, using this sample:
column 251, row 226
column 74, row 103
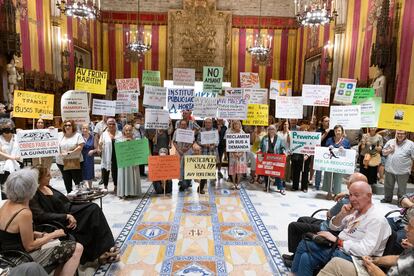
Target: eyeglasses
column 68, row 125
column 6, row 130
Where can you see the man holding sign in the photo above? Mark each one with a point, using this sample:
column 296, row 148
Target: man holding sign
column 183, row 143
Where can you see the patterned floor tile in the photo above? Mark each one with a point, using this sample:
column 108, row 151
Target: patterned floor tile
column 153, row 232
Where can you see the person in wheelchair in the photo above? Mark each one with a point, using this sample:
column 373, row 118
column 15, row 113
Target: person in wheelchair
column 16, row 229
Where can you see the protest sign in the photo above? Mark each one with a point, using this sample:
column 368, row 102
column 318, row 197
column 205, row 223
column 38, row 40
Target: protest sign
column 156, row 118
column 257, row 115
column 230, row 92
column 316, row 95
column 180, row 99
column 103, row 107
column 205, row 107
column 200, row 167
column 74, row 106
column 155, row 96
column 255, row 95
column 270, row 164
column 249, row 80
column 35, row 143
column 232, row 108
column 334, row 160
column 163, row 167
column 33, row 105
column 289, row 107
column 127, row 102
column 370, row 111
column 128, row 85
column 131, row 153
column 280, row 88
column 184, row 136
column 237, row 142
column 363, row 93
column 304, row 142
column 397, row 116
column 349, row 117
column 91, row 81
column 184, row 76
column 209, row 137
column 212, row 79
column 152, row 78
column 345, row 89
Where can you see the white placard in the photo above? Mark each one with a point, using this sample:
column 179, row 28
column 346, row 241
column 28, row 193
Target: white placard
column 156, row 118
column 74, row 106
column 180, row 99
column 127, row 102
column 304, row 142
column 184, row 136
column 155, row 96
column 35, row 143
column 205, row 107
column 249, row 80
column 209, row 137
column 289, row 107
column 335, row 160
column 103, row 107
column 316, row 95
column 238, row 142
column 184, row 76
column 255, row 95
column 230, row 92
column 127, row 85
column 345, row 90
column 348, row 116
column 232, row 108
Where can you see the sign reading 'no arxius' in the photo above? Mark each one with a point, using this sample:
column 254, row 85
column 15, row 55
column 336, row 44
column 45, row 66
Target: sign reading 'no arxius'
column 237, row 142
column 232, row 108
column 38, row 142
column 212, row 79
column 334, row 160
column 200, row 167
column 205, row 107
column 180, row 99
column 304, row 142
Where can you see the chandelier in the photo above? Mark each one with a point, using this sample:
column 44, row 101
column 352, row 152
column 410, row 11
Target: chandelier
column 83, row 9
column 262, row 45
column 315, row 12
column 137, row 43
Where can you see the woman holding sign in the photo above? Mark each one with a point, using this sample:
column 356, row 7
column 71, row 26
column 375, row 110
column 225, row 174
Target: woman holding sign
column 237, row 160
column 129, row 180
column 182, row 148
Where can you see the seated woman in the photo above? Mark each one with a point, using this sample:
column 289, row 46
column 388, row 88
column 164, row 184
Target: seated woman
column 85, row 221
column 16, row 229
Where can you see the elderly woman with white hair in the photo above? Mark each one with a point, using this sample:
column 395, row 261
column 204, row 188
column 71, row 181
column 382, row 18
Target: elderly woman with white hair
column 9, row 150
column 16, row 229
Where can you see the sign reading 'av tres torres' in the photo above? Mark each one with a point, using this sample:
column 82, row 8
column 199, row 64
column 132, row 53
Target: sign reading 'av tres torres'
column 91, row 81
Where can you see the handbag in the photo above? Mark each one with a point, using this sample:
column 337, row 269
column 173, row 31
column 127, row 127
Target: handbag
column 71, row 164
column 375, row 160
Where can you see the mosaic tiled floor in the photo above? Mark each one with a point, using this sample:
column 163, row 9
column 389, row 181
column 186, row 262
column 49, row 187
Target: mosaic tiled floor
column 219, row 233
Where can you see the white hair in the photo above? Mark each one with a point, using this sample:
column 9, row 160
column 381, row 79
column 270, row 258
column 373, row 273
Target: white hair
column 22, row 185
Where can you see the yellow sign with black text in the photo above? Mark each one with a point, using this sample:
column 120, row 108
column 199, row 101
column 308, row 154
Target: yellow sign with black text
column 91, row 81
column 257, row 115
column 397, row 116
column 33, row 105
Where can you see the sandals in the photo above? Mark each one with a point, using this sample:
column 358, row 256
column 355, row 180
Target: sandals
column 114, row 259
column 110, row 256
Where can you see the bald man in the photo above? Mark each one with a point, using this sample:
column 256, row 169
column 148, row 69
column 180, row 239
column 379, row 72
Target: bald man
column 309, row 224
column 363, row 232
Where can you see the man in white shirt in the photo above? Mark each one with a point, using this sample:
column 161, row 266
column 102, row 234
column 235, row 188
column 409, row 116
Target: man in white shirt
column 364, row 232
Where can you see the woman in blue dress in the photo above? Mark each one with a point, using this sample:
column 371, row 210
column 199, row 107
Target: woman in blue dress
column 88, row 152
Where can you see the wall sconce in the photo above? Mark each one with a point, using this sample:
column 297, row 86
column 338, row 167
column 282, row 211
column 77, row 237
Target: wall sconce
column 328, row 48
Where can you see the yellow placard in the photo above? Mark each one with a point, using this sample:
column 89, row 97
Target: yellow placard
column 397, row 116
column 257, row 115
column 91, row 81
column 200, row 167
column 33, row 105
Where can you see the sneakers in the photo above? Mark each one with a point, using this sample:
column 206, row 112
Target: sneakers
column 288, row 259
column 220, row 175
column 385, row 200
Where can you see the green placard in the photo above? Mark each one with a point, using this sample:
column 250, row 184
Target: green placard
column 212, row 79
column 151, row 78
column 131, row 153
column 363, row 93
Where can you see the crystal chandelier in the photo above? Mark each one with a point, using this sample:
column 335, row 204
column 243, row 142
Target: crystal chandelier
column 262, row 46
column 315, row 12
column 137, row 43
column 83, row 9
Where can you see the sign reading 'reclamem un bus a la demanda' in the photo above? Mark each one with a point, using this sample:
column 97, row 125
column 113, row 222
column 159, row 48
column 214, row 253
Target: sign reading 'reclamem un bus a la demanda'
column 91, row 81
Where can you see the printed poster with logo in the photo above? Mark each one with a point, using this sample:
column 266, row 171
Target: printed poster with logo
column 230, row 92
column 370, row 111
column 280, row 88
column 91, row 81
column 128, row 85
column 152, row 78
column 257, row 115
column 270, row 164
column 316, row 95
column 74, row 106
column 35, row 143
column 155, row 96
column 304, row 142
column 397, row 116
column 330, row 159
column 249, row 80
column 232, row 108
column 205, row 107
column 212, row 79
column 255, row 95
column 289, row 107
column 348, row 116
column 363, row 93
column 183, row 76
column 345, row 89
column 33, row 105
column 199, row 167
column 126, row 102
column 180, row 99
